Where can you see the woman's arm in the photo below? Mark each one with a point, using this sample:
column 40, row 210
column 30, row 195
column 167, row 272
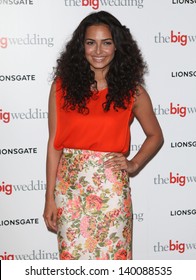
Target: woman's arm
column 52, row 161
column 143, row 111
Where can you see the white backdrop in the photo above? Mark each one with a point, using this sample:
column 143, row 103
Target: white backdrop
column 32, row 34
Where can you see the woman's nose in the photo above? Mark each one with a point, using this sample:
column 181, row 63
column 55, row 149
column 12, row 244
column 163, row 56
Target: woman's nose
column 98, row 48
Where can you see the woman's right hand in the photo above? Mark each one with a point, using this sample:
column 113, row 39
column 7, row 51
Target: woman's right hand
column 50, row 214
column 52, row 163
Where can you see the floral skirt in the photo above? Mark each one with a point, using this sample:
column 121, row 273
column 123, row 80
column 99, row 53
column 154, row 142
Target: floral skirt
column 94, row 217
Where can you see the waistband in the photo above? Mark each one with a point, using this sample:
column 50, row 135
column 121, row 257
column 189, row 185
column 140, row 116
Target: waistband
column 86, row 154
column 81, row 151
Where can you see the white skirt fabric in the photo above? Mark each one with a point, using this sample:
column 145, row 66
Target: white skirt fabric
column 94, row 208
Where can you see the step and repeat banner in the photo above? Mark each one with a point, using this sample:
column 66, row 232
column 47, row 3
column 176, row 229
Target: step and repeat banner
column 32, row 34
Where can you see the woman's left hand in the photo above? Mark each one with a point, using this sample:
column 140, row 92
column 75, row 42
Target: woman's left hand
column 117, row 162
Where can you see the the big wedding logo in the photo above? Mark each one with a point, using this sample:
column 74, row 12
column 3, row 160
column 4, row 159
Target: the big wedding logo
column 31, row 114
column 34, row 255
column 96, row 4
column 179, row 110
column 7, row 188
column 174, row 246
column 27, row 40
column 174, row 37
column 175, row 179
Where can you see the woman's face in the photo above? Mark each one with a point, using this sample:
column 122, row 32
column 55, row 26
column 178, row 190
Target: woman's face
column 99, row 47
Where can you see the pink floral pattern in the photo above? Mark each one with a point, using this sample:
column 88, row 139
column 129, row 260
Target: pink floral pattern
column 94, row 214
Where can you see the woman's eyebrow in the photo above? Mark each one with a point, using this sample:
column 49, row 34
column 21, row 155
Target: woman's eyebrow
column 101, row 39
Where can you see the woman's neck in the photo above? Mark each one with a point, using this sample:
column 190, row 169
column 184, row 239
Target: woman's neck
column 100, row 77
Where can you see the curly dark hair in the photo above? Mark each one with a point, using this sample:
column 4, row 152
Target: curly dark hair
column 125, row 73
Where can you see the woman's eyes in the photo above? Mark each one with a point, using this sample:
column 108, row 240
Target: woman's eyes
column 106, row 43
column 89, row 42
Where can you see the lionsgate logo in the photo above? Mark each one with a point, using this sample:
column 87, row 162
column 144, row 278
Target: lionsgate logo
column 180, row 2
column 183, row 144
column 175, row 110
column 180, row 212
column 28, row 40
column 17, row 2
column 19, row 222
column 96, row 4
column 17, row 77
column 31, row 114
column 8, row 188
column 175, row 37
column 18, row 151
column 183, row 74
column 34, row 255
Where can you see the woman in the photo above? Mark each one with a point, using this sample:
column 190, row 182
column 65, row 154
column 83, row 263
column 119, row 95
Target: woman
column 96, row 92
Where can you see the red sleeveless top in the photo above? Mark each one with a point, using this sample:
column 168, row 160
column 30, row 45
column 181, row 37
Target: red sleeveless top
column 97, row 131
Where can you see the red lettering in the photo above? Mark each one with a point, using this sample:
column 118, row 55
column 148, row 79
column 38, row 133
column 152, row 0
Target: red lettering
column 4, row 116
column 181, row 111
column 93, row 3
column 7, row 189
column 3, row 42
column 182, row 39
column 6, row 257
column 181, row 180
column 180, row 247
